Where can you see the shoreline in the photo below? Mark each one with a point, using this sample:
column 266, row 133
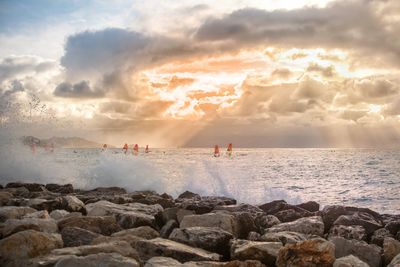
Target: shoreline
column 45, row 225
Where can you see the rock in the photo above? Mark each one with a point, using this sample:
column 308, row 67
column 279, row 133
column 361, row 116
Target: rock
column 349, row 261
column 348, row 232
column 114, row 190
column 265, row 252
column 309, row 225
column 393, row 227
column 274, row 206
column 205, row 204
column 105, row 225
column 181, row 213
column 58, row 214
column 284, row 237
column 164, row 201
column 169, row 214
column 18, row 192
column 64, row 189
column 167, row 229
column 209, row 238
column 266, row 221
column 129, row 238
column 5, row 197
column 364, row 219
column 226, row 222
column 101, row 259
column 395, row 262
column 188, row 194
column 168, row 248
column 289, row 215
column 370, row 254
column 74, row 236
column 128, row 216
column 32, row 187
column 253, row 210
column 244, row 224
column 68, row 203
column 145, row 232
column 16, row 249
column 12, row 212
column 169, row 262
column 72, row 203
column 42, row 214
column 311, row 206
column 315, row 252
column 379, row 235
column 12, row 226
column 391, row 247
column 254, row 236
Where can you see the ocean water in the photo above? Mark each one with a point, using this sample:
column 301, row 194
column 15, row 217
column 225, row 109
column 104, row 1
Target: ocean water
column 358, row 177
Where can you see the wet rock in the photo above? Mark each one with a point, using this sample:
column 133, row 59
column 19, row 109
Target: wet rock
column 226, row 222
column 167, row 229
column 379, row 235
column 274, row 206
column 395, row 262
column 101, row 259
column 145, row 232
column 12, row 226
column 12, row 212
column 245, row 224
column 370, row 254
column 209, row 238
column 311, row 206
column 348, row 232
column 393, row 227
column 168, row 248
column 391, row 247
column 265, row 252
column 18, row 248
column 364, row 219
column 315, row 252
column 42, row 214
column 349, row 261
column 254, row 236
column 64, row 189
column 284, row 237
column 105, row 225
column 58, row 214
column 266, row 221
column 32, row 187
column 188, row 194
column 181, row 213
column 309, row 225
column 74, row 236
column 5, row 197
column 205, row 204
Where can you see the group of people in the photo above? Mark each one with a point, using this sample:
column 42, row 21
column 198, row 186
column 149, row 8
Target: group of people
column 228, row 150
column 135, row 149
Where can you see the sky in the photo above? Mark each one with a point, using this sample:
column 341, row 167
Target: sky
column 258, row 73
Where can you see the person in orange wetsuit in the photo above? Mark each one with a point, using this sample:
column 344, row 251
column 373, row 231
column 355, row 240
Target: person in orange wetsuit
column 216, row 151
column 147, row 149
column 136, row 149
column 125, row 148
column 229, row 150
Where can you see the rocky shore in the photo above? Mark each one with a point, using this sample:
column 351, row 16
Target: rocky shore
column 57, row 225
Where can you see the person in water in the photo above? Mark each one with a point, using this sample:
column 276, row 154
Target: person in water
column 216, row 151
column 229, row 150
column 147, row 149
column 136, row 149
column 125, row 148
column 104, row 148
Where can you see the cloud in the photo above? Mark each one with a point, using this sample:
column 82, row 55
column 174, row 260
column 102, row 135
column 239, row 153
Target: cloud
column 327, row 72
column 77, row 90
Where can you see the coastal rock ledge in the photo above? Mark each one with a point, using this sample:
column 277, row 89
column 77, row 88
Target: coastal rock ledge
column 58, row 225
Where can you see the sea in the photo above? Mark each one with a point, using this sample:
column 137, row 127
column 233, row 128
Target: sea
column 367, row 178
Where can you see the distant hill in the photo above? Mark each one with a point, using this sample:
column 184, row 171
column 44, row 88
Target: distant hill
column 64, row 142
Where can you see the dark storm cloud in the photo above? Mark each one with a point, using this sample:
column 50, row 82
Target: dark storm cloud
column 78, row 90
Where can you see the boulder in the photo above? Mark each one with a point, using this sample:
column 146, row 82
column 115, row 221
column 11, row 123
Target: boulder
column 309, row 225
column 274, row 206
column 167, row 229
column 12, row 226
column 348, row 232
column 254, row 236
column 145, row 232
column 349, row 261
column 266, row 221
column 32, row 187
column 164, row 201
column 64, row 189
column 18, row 192
column 364, row 219
column 212, row 239
column 100, row 259
column 265, row 252
column 168, row 248
column 181, row 213
column 131, row 239
column 74, row 236
column 391, row 247
column 105, row 225
column 5, row 197
column 169, row 214
column 284, row 237
column 289, row 215
column 205, row 204
column 68, row 203
column 310, row 206
column 253, row 210
column 42, row 214
column 18, row 248
column 72, row 203
column 379, row 235
column 169, row 262
column 370, row 254
column 315, row 252
column 245, row 224
column 12, row 212
column 188, row 194
column 58, row 214
column 395, row 262
column 226, row 222
column 393, row 227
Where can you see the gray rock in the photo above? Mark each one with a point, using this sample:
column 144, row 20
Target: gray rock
column 64, row 189
column 129, row 238
column 391, row 247
column 18, row 248
column 309, row 225
column 168, row 248
column 253, row 210
column 226, row 222
column 74, row 236
column 349, row 232
column 205, row 204
column 169, row 214
column 379, row 235
column 393, row 227
column 265, row 252
column 72, row 203
column 42, row 214
column 395, row 262
column 12, row 226
column 349, row 261
column 212, row 239
column 290, row 215
column 364, row 219
column 95, row 260
column 244, row 224
column 311, row 206
column 12, row 212
column 284, row 237
column 58, row 214
column 254, row 236
column 169, row 262
column 5, row 197
column 370, row 254
column 145, row 232
column 167, row 229
column 105, row 225
column 181, row 213
column 266, row 221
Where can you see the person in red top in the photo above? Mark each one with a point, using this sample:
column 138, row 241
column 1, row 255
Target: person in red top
column 229, row 150
column 136, row 149
column 216, row 151
column 125, row 148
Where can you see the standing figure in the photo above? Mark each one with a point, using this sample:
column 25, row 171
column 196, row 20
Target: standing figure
column 33, row 147
column 104, row 148
column 136, row 149
column 147, row 149
column 216, row 151
column 229, row 150
column 125, row 148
